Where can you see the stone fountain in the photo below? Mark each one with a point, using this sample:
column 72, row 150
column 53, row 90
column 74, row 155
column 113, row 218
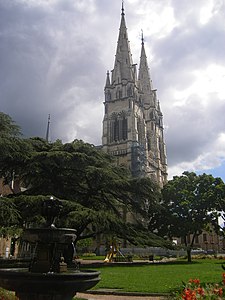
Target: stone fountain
column 53, row 274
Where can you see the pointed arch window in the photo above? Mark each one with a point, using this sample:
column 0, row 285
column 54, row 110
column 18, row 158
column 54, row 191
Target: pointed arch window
column 129, row 91
column 118, row 128
column 124, row 128
column 118, row 93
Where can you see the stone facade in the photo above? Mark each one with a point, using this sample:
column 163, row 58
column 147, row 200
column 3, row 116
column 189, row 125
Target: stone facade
column 133, row 121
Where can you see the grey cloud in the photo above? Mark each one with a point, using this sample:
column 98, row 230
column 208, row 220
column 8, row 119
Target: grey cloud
column 54, row 58
column 46, row 52
column 191, row 46
column 193, row 129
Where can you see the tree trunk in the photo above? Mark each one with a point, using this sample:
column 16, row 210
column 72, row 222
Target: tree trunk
column 189, row 247
column 189, row 254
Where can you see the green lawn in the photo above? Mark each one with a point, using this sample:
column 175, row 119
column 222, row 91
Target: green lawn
column 154, row 278
column 157, row 278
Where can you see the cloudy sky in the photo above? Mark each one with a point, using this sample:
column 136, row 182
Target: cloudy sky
column 54, row 55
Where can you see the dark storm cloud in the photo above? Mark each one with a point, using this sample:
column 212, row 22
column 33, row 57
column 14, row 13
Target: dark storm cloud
column 46, row 52
column 54, row 56
column 25, row 53
column 195, row 123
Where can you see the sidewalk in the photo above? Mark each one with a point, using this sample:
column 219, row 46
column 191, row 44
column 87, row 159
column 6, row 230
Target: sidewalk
column 116, row 297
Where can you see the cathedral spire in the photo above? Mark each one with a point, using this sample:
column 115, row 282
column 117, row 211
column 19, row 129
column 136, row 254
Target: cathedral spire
column 144, row 79
column 123, row 66
column 48, row 130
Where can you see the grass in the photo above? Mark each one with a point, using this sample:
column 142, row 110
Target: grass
column 153, row 278
column 156, row 278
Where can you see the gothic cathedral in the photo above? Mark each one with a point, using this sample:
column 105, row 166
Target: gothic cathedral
column 133, row 121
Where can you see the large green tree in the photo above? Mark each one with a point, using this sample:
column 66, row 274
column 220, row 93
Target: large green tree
column 100, row 193
column 189, row 204
column 13, row 149
column 97, row 193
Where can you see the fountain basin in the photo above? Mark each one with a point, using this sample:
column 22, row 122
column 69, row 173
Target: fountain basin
column 49, row 276
column 47, row 286
column 48, row 235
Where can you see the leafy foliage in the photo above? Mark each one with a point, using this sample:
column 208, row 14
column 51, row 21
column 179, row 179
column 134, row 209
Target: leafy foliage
column 9, row 217
column 8, row 212
column 98, row 194
column 8, row 128
column 13, row 149
column 190, row 203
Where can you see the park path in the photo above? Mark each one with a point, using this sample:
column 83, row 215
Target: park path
column 116, row 297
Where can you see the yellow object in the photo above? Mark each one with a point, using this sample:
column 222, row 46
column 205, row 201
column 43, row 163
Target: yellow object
column 112, row 252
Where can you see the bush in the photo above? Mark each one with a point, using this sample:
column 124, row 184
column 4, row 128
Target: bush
column 7, row 295
column 89, row 254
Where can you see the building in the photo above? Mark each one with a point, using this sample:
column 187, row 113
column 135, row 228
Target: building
column 133, row 121
column 208, row 242
column 8, row 245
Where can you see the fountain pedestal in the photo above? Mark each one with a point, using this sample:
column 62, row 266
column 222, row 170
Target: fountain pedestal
column 49, row 276
column 47, row 286
column 52, row 248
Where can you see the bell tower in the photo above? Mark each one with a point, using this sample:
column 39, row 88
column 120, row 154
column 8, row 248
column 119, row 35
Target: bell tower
column 130, row 108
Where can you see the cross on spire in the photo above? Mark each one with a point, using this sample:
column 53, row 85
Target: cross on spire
column 142, row 37
column 122, row 8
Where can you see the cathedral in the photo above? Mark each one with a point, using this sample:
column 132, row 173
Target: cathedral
column 133, row 121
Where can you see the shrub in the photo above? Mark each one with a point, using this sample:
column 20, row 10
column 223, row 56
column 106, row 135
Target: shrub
column 7, row 295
